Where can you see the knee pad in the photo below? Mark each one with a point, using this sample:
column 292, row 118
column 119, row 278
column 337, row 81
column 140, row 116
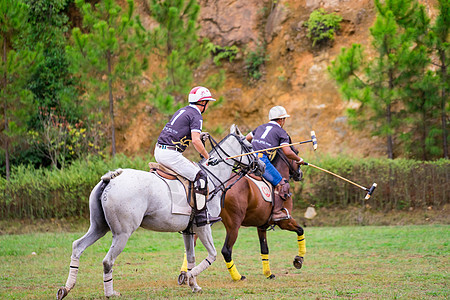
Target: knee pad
column 200, row 190
column 284, row 189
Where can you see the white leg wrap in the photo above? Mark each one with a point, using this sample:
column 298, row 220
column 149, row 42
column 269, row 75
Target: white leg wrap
column 202, row 266
column 72, row 279
column 190, row 266
column 108, row 284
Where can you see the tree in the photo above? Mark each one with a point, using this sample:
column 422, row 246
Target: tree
column 179, row 47
column 106, row 54
column 393, row 87
column 52, row 84
column 17, row 61
column 419, row 85
column 440, row 42
column 376, row 84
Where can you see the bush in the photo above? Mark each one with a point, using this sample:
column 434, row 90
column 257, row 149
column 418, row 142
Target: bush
column 42, row 193
column 322, row 26
column 221, row 53
column 253, row 63
column 402, row 183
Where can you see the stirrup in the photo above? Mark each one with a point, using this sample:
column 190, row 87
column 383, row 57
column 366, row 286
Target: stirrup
column 288, row 216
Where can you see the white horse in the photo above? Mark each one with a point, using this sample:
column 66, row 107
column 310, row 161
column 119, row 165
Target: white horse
column 123, row 202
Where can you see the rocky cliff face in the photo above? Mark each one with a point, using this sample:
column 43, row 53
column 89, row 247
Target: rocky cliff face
column 295, row 76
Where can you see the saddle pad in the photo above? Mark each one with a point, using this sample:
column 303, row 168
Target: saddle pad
column 177, row 191
column 264, row 187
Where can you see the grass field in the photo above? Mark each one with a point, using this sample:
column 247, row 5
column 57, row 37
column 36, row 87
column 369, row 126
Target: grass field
column 391, row 262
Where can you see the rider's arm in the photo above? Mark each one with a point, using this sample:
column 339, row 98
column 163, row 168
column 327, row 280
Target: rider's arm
column 290, row 154
column 198, row 145
column 249, row 137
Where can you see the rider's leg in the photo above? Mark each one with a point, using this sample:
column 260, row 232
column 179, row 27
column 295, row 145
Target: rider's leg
column 202, row 217
column 181, row 165
column 281, row 194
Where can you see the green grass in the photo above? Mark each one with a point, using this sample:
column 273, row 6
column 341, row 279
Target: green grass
column 392, row 262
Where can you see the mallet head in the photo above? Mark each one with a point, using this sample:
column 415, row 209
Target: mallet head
column 370, row 191
column 314, row 140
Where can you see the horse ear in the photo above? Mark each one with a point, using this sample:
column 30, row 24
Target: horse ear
column 234, row 129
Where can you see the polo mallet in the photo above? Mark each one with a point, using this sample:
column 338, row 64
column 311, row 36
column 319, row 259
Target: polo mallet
column 369, row 191
column 313, row 140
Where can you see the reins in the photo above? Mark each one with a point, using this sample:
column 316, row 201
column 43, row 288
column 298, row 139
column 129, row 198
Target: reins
column 286, row 161
column 222, row 187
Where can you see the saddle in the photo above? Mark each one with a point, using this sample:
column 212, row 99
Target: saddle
column 263, row 185
column 170, row 175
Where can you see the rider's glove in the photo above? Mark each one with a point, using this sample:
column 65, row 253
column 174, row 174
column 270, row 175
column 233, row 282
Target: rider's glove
column 212, row 161
column 300, row 162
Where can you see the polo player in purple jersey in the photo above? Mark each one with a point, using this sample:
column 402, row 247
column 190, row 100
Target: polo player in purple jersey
column 186, row 126
column 271, row 135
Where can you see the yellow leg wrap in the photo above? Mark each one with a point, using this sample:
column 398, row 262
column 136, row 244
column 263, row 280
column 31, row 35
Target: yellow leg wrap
column 301, row 245
column 233, row 271
column 266, row 265
column 184, row 265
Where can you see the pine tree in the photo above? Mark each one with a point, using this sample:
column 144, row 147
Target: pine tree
column 16, row 63
column 107, row 54
column 376, row 84
column 52, row 84
column 179, row 47
column 440, row 43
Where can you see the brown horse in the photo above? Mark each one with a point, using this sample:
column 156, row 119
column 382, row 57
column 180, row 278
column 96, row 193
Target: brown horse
column 245, row 206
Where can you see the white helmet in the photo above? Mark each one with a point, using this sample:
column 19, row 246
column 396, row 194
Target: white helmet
column 278, row 112
column 200, row 93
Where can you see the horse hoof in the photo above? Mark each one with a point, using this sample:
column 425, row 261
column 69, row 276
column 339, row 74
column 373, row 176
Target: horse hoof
column 298, row 262
column 114, row 294
column 196, row 289
column 271, row 276
column 182, row 279
column 243, row 278
column 62, row 292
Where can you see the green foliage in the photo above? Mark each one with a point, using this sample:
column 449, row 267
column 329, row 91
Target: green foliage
column 222, row 53
column 401, row 183
column 53, row 86
column 176, row 42
column 106, row 55
column 254, row 63
column 390, row 79
column 322, row 26
column 61, row 142
column 17, row 63
column 43, row 193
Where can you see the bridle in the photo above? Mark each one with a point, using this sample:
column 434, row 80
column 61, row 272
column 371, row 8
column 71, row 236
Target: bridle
column 238, row 167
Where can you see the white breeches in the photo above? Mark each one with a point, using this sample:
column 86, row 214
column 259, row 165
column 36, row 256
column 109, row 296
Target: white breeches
column 175, row 161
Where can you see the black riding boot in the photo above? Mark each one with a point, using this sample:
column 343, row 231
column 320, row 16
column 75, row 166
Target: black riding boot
column 203, row 217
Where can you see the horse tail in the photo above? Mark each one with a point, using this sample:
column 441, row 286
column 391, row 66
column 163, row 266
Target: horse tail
column 96, row 195
column 111, row 174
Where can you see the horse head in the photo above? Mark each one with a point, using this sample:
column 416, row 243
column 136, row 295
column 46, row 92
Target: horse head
column 232, row 150
column 282, row 162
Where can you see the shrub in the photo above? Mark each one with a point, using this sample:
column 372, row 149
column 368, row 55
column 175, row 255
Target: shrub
column 42, row 193
column 221, row 53
column 254, row 61
column 402, row 183
column 322, row 26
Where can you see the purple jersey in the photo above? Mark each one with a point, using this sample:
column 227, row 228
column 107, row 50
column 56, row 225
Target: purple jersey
column 269, row 135
column 178, row 131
